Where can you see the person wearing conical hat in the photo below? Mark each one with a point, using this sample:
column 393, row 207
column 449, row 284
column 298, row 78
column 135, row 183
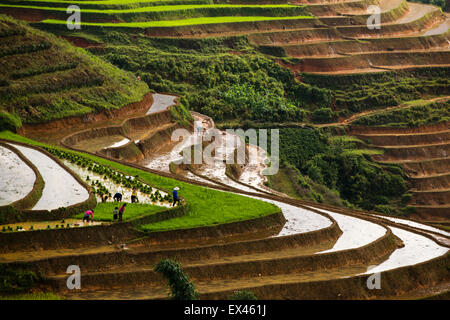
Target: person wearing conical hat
column 175, row 196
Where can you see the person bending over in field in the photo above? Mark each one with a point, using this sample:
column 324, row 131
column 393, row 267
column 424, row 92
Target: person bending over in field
column 87, row 214
column 118, row 197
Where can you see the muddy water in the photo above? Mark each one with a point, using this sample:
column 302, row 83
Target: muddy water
column 16, row 177
column 119, row 143
column 43, row 225
column 162, row 159
column 356, row 232
column 415, row 225
column 442, row 28
column 161, row 102
column 113, row 187
column 417, row 249
column 95, row 144
column 252, row 174
column 61, row 189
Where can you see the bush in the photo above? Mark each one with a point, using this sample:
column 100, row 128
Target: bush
column 16, row 280
column 180, row 286
column 242, row 295
column 322, row 115
column 9, row 122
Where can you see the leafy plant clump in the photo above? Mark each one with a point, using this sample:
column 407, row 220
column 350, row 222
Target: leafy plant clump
column 180, row 286
column 243, row 295
column 15, row 280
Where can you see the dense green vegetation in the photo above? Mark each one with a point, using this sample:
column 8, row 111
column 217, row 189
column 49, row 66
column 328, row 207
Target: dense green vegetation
column 180, row 286
column 336, row 163
column 45, row 78
column 358, row 92
column 228, row 207
column 420, row 113
column 212, row 79
column 16, row 279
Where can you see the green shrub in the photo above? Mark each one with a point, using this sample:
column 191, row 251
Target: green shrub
column 9, row 122
column 14, row 280
column 180, row 286
column 322, row 115
column 242, row 295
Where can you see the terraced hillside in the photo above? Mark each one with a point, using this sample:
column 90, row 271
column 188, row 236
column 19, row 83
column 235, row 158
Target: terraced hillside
column 424, row 156
column 319, row 252
column 272, row 64
column 44, row 78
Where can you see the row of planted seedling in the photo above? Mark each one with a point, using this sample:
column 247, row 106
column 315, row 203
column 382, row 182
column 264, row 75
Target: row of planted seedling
column 31, row 228
column 108, row 173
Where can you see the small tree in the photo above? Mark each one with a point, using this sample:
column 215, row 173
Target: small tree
column 180, row 286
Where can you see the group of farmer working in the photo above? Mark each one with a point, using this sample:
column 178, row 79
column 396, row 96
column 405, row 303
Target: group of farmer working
column 118, row 213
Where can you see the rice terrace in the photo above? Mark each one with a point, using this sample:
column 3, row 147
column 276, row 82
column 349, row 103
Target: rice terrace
column 224, row 149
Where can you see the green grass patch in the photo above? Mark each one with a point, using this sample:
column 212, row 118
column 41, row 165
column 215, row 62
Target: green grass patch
column 206, row 207
column 363, row 152
column 104, row 211
column 158, row 8
column 178, row 23
column 32, row 296
column 419, row 114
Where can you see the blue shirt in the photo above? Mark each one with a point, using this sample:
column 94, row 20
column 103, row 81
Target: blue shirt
column 175, row 194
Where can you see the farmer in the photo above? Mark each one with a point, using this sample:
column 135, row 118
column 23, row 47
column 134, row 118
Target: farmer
column 121, row 210
column 87, row 214
column 118, row 197
column 175, row 196
column 104, row 197
column 134, row 197
column 115, row 214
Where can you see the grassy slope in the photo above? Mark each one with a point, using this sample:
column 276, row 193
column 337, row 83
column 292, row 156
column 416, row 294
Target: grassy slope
column 157, row 8
column 58, row 80
column 207, row 207
column 180, row 22
column 420, row 113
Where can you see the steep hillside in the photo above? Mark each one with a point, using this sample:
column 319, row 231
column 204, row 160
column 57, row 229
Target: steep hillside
column 44, row 78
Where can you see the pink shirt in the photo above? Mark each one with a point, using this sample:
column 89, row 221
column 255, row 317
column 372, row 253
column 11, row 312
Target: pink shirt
column 90, row 213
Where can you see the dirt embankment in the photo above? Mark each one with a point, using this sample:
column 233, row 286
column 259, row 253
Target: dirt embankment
column 60, row 128
column 82, row 42
column 378, row 59
column 408, row 139
column 294, row 36
column 433, row 212
column 432, row 183
column 397, row 282
column 373, row 45
column 423, row 152
column 394, row 29
column 363, row 130
column 237, row 28
column 431, row 198
column 427, row 168
column 225, row 270
column 325, row 237
column 340, row 8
